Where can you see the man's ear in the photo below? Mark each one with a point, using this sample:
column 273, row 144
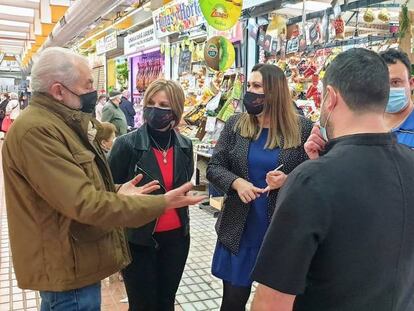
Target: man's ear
column 56, row 91
column 332, row 98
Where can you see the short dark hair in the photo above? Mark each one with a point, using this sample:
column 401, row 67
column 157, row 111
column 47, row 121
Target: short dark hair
column 361, row 76
column 391, row 56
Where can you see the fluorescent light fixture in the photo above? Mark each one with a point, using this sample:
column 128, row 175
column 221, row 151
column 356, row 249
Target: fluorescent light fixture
column 13, row 10
column 11, row 40
column 309, row 6
column 13, row 23
column 13, row 33
column 110, row 27
column 147, row 6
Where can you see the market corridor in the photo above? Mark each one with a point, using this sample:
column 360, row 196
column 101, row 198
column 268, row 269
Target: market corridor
column 199, row 290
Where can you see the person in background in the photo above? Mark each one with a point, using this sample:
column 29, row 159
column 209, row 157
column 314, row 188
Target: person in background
column 399, row 113
column 399, row 116
column 13, row 107
column 64, row 212
column 128, row 109
column 102, row 99
column 295, row 95
column 253, row 157
column 105, row 136
column 159, row 152
column 4, row 100
column 112, row 113
column 342, row 237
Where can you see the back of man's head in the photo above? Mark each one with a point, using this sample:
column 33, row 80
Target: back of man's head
column 361, row 77
column 56, row 65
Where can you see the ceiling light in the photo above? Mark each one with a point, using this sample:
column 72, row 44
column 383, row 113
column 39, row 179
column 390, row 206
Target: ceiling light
column 12, row 10
column 309, row 6
column 13, row 33
column 13, row 23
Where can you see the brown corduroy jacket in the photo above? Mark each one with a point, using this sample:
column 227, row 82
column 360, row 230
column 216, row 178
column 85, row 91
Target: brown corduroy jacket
column 64, row 216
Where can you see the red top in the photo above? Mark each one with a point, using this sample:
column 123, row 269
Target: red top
column 169, row 220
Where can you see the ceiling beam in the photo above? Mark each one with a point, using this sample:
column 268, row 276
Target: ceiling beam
column 10, row 50
column 14, row 28
column 11, row 42
column 21, row 4
column 17, row 18
column 8, row 36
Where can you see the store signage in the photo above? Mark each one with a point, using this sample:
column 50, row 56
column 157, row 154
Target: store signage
column 141, row 40
column 107, row 43
column 177, row 16
column 292, row 46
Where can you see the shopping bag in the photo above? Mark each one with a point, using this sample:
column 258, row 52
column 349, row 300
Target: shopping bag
column 7, row 121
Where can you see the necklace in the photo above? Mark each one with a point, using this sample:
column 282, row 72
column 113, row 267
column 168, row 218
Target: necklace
column 163, row 151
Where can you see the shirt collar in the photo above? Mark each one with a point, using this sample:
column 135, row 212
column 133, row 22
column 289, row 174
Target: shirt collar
column 362, row 139
column 408, row 124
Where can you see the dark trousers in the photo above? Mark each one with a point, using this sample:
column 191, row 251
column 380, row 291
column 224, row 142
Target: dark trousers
column 153, row 277
column 234, row 297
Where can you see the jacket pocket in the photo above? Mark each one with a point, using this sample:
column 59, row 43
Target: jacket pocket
column 86, row 159
column 87, row 233
column 91, row 256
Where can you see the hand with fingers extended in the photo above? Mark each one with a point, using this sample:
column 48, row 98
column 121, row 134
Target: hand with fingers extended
column 130, row 188
column 275, row 180
column 315, row 143
column 246, row 190
column 179, row 197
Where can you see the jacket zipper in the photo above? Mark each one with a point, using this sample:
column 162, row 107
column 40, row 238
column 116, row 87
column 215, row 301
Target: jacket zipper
column 165, row 190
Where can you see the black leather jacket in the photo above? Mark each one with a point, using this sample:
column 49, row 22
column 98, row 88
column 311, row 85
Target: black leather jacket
column 132, row 155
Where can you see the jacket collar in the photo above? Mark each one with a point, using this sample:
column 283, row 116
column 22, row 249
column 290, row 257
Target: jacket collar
column 75, row 119
column 142, row 139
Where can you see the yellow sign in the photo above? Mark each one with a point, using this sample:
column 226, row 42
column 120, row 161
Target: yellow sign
column 221, row 14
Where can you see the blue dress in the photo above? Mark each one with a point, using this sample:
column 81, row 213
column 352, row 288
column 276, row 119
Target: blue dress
column 237, row 269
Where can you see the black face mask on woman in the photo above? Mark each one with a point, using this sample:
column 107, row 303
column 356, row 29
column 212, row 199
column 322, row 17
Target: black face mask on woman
column 158, row 118
column 254, row 103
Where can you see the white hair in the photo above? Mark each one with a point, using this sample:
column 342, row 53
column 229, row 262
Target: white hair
column 13, row 95
column 56, row 64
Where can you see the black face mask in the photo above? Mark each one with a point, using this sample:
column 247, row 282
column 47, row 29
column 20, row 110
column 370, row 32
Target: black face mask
column 88, row 100
column 158, row 118
column 254, row 103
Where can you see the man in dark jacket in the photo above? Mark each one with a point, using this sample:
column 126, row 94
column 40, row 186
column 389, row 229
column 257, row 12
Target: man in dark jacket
column 342, row 235
column 128, row 109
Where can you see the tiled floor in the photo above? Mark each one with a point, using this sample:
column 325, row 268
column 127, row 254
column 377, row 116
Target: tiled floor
column 198, row 291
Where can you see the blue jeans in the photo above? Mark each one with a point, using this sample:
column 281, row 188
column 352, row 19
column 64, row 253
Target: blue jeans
column 82, row 299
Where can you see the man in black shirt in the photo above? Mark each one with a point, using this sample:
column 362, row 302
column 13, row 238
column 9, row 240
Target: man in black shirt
column 342, row 238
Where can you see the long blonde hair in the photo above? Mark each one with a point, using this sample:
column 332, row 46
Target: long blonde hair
column 284, row 130
column 174, row 92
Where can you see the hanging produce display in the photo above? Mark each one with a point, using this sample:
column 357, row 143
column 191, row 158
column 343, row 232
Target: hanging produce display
column 384, row 15
column 219, row 53
column 221, row 14
column 369, row 16
column 339, row 26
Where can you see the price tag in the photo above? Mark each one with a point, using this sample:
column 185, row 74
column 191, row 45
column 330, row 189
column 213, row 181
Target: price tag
column 211, row 124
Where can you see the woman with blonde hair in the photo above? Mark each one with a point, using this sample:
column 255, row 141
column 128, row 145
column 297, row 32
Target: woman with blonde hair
column 159, row 250
column 254, row 154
